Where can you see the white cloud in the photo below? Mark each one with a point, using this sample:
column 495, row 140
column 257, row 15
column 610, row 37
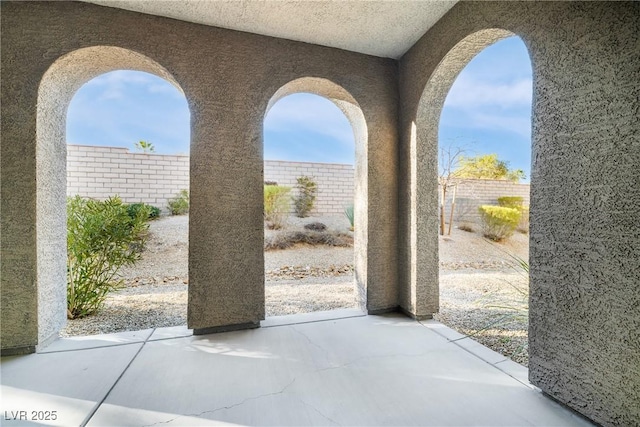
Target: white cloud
column 312, row 113
column 520, row 125
column 122, row 77
column 468, row 93
column 114, row 84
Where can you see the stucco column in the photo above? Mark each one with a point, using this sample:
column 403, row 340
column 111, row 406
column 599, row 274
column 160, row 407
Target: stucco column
column 226, row 229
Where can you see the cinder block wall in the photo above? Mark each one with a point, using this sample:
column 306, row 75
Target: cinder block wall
column 335, row 182
column 473, row 193
column 100, row 172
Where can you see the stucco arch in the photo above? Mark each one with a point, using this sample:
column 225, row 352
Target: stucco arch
column 423, row 164
column 57, row 87
column 352, row 110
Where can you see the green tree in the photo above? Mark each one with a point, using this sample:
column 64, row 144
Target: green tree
column 487, row 166
column 145, row 147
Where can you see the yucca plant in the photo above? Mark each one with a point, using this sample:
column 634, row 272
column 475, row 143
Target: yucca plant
column 348, row 212
column 511, row 312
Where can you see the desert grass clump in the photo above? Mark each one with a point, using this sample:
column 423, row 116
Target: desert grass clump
column 349, row 213
column 307, row 190
column 284, row 240
column 179, row 205
column 466, row 227
column 276, row 206
column 510, row 312
column 498, row 223
column 102, row 237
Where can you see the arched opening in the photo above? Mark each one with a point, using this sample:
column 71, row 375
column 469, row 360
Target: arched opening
column 128, row 137
column 57, row 87
column 425, row 172
column 355, row 203
column 484, row 166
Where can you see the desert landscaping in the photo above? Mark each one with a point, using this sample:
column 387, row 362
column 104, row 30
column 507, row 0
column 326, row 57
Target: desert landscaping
column 482, row 293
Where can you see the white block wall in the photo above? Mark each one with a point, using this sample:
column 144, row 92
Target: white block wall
column 473, row 193
column 100, row 172
column 335, row 182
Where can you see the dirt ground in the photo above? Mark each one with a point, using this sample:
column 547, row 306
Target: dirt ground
column 481, row 293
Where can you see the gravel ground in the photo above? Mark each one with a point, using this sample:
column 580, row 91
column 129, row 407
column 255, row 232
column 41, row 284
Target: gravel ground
column 481, row 293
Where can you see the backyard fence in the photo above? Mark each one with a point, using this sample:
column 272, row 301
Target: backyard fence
column 100, row 172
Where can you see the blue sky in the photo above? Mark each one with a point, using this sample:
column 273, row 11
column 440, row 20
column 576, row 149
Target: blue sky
column 487, row 111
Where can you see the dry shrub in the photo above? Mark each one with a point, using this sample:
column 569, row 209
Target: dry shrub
column 466, row 227
column 315, row 226
column 276, row 206
column 284, row 240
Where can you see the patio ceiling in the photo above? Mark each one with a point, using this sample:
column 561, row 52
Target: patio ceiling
column 381, row 28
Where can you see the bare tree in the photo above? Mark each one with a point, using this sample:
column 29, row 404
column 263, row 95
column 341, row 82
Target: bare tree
column 447, row 166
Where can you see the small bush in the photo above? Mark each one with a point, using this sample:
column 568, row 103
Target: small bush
column 134, row 208
column 307, row 190
column 348, row 212
column 523, row 225
column 498, row 222
column 315, row 226
column 276, row 205
column 179, row 205
column 284, row 240
column 466, row 227
column 101, row 238
column 515, row 202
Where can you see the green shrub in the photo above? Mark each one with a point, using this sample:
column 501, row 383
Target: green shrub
column 304, row 200
column 101, row 238
column 498, row 222
column 276, row 205
column 134, row 208
column 348, row 212
column 515, row 202
column 179, row 205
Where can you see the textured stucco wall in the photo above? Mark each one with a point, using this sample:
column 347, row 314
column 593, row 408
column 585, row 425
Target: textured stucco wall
column 228, row 79
column 585, row 195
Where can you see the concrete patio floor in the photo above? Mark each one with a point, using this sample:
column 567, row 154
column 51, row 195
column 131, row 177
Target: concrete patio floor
column 333, row 368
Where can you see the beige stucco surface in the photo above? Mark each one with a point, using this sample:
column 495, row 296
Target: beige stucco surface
column 375, row 27
column 228, row 79
column 585, row 223
column 584, row 253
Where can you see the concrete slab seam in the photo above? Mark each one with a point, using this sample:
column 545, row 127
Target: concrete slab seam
column 495, row 365
column 96, row 407
column 92, row 348
column 315, row 321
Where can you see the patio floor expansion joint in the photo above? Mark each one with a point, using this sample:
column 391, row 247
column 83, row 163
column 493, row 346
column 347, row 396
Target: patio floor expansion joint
column 135, row 356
